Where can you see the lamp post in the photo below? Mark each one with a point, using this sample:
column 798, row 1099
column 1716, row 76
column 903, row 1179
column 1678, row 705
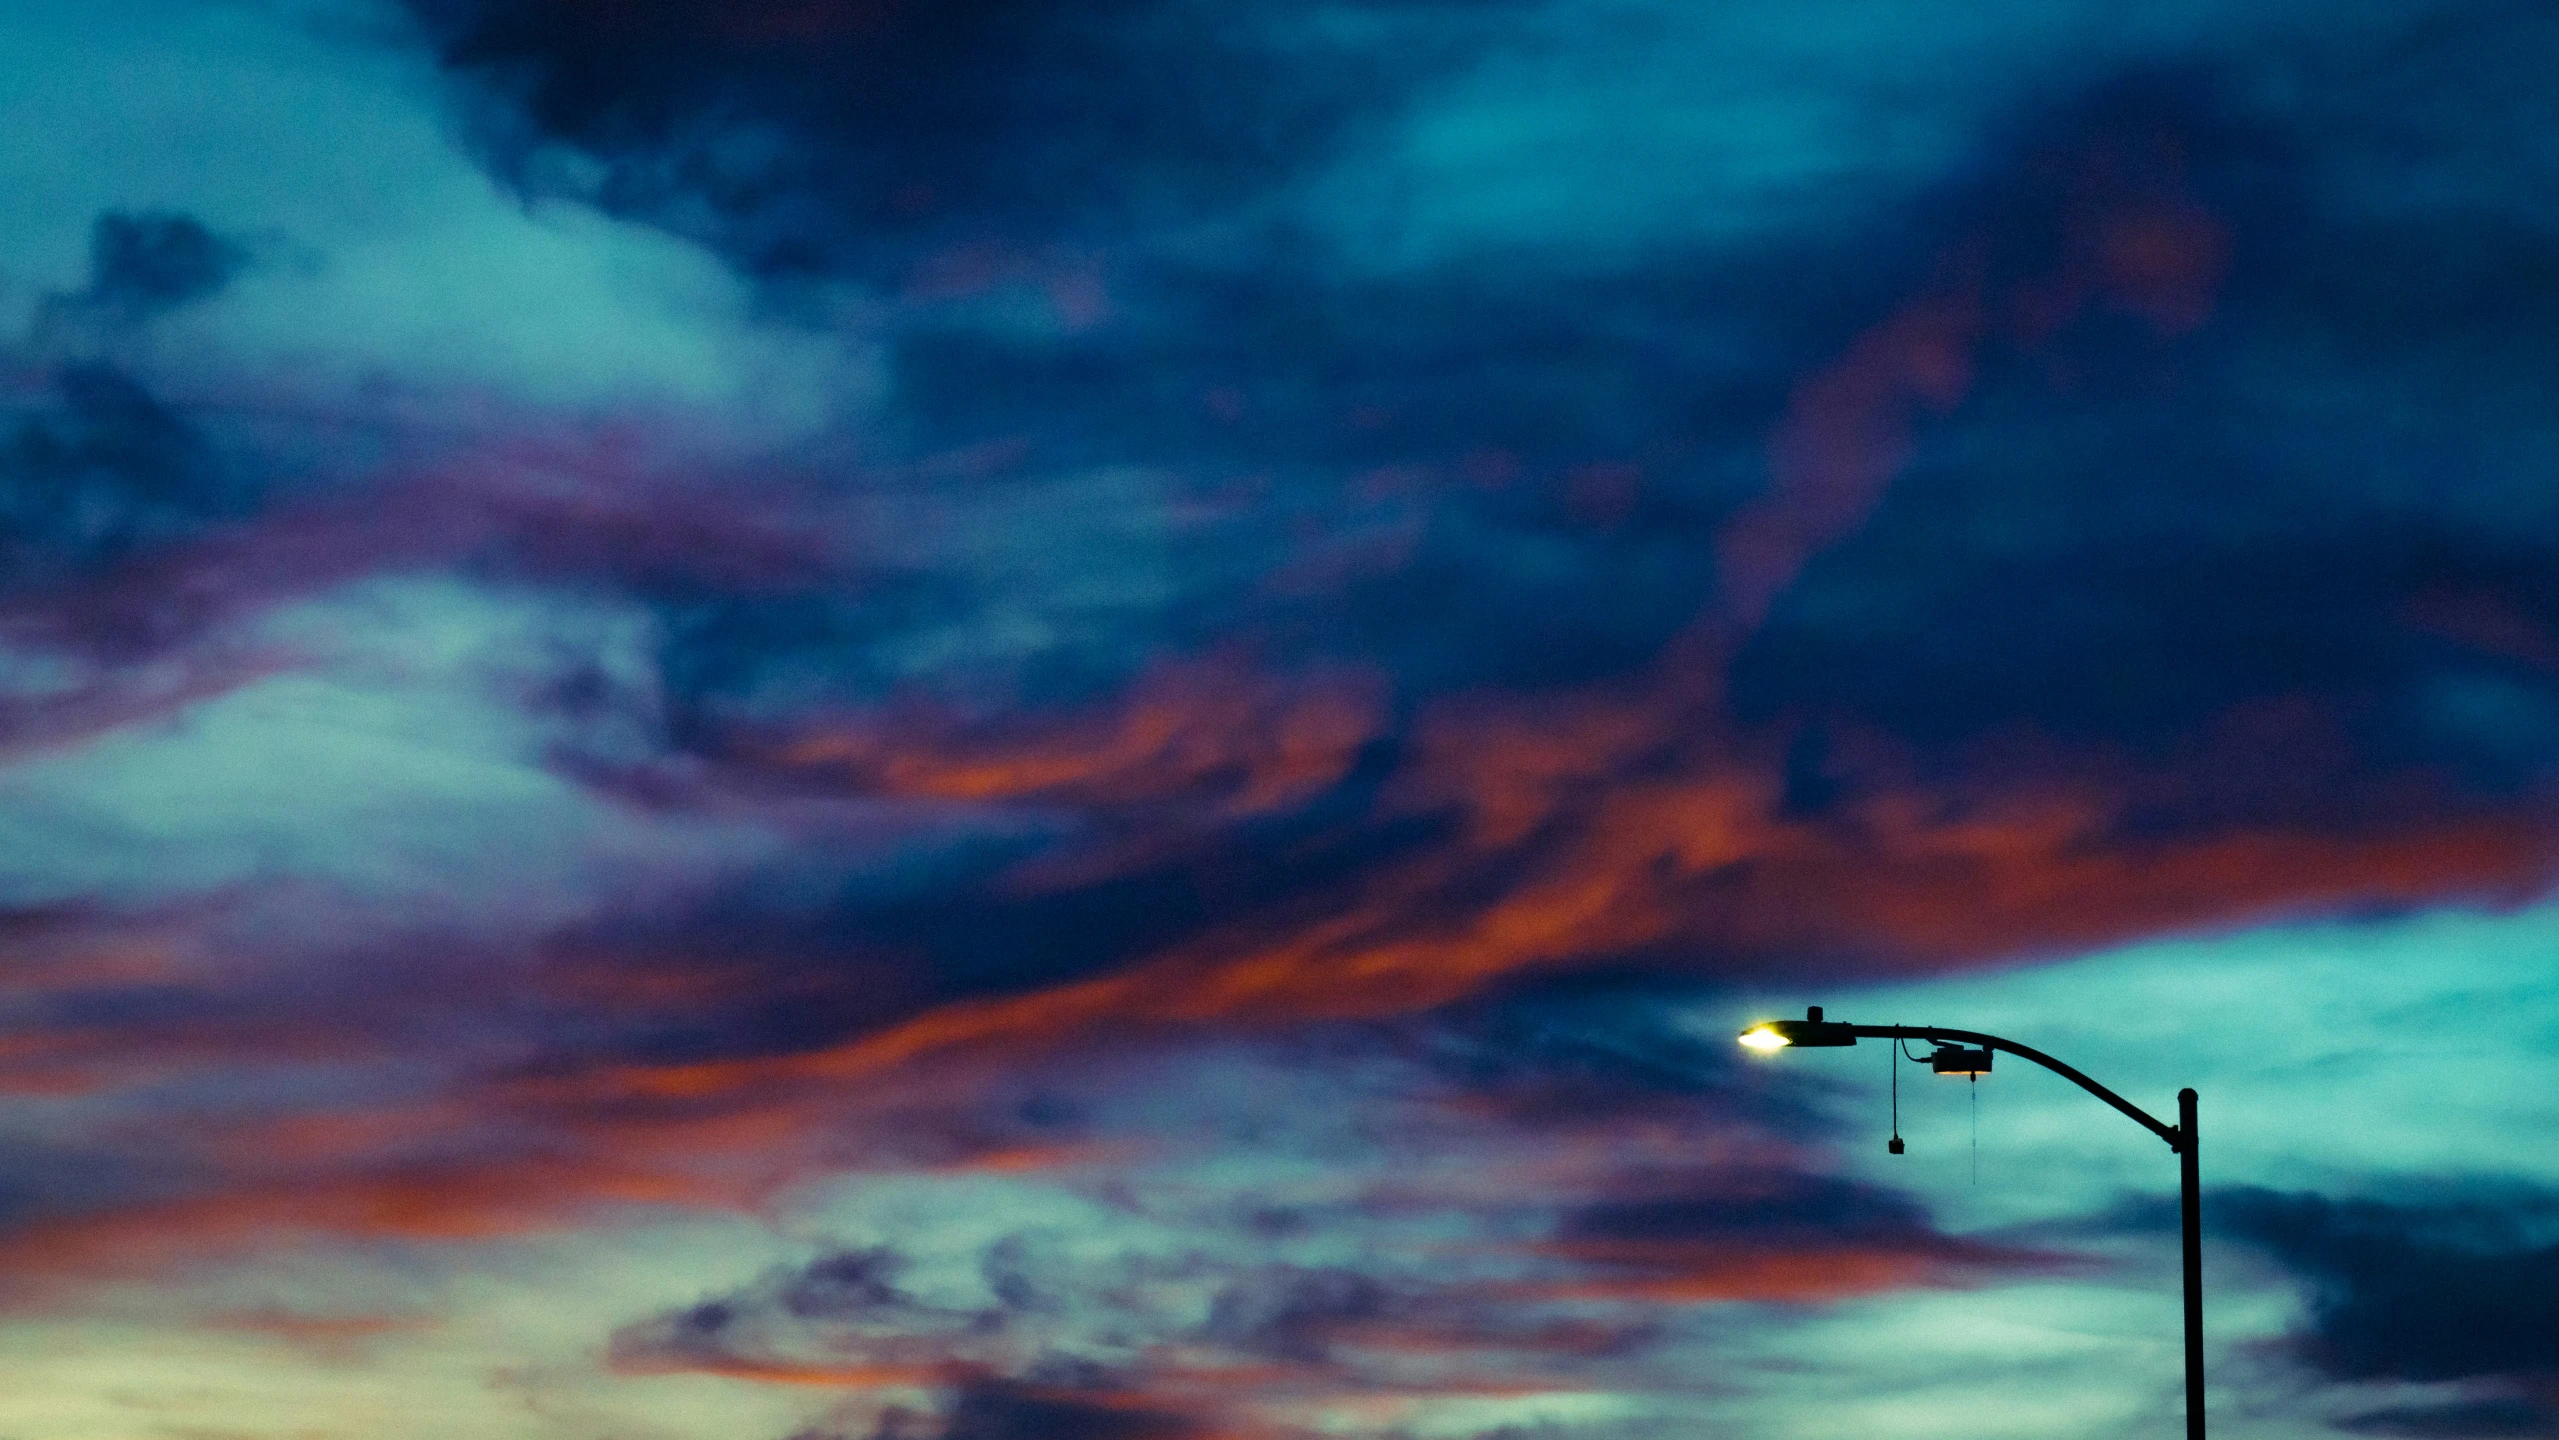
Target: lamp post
column 1954, row 1058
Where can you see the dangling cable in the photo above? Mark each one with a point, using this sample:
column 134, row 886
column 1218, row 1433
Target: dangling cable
column 1892, row 1065
column 1974, row 1080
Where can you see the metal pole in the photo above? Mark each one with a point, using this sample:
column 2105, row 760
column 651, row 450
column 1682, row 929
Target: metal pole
column 2190, row 1222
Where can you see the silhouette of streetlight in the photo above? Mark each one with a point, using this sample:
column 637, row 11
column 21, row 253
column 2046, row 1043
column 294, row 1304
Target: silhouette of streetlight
column 1967, row 1052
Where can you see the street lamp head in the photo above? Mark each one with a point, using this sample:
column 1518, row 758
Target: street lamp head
column 1960, row 1060
column 1811, row 1031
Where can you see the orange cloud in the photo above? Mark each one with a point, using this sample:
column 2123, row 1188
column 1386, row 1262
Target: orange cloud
column 1633, row 829
column 456, row 1201
column 1201, row 733
column 327, row 1337
column 784, row 1372
column 1696, row 1273
column 1633, row 824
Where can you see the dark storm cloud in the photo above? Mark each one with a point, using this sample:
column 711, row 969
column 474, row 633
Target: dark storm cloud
column 991, row 1409
column 1677, row 1236
column 841, row 1312
column 1498, row 480
column 140, row 265
column 2457, row 1420
column 999, row 1410
column 2442, row 1290
column 1294, row 1315
column 799, row 138
column 1791, row 1207
column 103, row 488
column 99, row 473
column 2256, row 520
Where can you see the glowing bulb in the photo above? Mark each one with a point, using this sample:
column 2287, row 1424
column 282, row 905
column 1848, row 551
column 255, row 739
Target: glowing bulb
column 1761, row 1037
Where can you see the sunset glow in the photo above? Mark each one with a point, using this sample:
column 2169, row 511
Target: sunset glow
column 809, row 720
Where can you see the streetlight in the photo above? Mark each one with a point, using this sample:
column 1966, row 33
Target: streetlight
column 1813, row 1032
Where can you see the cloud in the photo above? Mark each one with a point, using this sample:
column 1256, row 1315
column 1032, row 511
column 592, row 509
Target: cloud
column 2457, row 1418
column 2424, row 1291
column 394, row 287
column 1204, row 840
column 1783, row 1237
column 1222, row 612
column 1398, row 1216
column 1175, row 1340
column 141, row 267
column 104, row 472
column 801, row 138
column 1000, row 1411
column 157, row 261
column 874, row 1334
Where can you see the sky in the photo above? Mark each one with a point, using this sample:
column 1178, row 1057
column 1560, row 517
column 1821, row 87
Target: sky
column 864, row 720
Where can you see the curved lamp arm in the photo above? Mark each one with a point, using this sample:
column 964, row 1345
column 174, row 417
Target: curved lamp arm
column 2140, row 1116
column 1815, row 1032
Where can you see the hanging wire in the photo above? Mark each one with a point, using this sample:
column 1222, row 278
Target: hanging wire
column 1893, row 1067
column 1900, row 1048
column 1975, row 1085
